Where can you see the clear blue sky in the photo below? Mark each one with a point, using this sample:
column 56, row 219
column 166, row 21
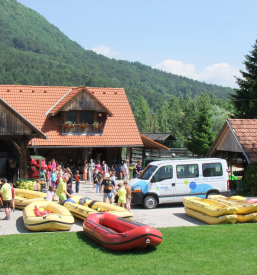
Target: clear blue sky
column 201, row 39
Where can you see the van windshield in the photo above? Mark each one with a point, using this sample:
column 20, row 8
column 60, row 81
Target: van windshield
column 149, row 170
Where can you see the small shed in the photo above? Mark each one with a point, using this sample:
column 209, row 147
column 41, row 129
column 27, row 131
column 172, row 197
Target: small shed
column 236, row 139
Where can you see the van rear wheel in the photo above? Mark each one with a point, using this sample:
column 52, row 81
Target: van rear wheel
column 150, row 202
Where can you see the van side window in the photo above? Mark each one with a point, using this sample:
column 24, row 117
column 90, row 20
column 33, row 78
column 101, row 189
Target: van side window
column 163, row 173
column 212, row 170
column 187, row 171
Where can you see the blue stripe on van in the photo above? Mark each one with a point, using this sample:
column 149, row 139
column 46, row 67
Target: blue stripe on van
column 201, row 188
column 143, row 184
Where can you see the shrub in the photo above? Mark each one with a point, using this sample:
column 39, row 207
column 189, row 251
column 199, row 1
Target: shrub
column 251, row 178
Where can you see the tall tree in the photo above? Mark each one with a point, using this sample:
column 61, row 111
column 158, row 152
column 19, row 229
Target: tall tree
column 141, row 114
column 201, row 134
column 245, row 98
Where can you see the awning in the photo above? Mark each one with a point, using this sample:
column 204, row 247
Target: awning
column 151, row 144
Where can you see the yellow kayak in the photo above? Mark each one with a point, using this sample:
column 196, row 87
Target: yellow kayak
column 210, row 220
column 242, row 207
column 60, row 219
column 24, row 197
column 252, row 217
column 82, row 211
column 208, row 207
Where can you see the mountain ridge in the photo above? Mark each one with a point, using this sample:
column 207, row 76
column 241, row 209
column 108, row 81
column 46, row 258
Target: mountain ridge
column 35, row 52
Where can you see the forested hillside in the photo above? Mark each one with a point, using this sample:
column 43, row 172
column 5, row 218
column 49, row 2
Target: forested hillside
column 34, row 52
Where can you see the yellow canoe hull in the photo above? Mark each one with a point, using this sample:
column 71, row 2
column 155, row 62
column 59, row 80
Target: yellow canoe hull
column 61, row 218
column 208, row 207
column 211, row 220
column 82, row 211
column 252, row 217
column 242, row 206
column 24, row 197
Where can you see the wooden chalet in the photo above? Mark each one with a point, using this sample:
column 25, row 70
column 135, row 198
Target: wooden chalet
column 68, row 122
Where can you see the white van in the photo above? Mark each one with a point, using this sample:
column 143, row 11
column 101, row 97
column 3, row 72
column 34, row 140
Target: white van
column 170, row 180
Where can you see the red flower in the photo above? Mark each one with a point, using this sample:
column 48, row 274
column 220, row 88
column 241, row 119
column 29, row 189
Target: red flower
column 101, row 122
column 65, row 122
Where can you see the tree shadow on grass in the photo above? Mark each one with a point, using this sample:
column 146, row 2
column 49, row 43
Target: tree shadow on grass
column 81, row 235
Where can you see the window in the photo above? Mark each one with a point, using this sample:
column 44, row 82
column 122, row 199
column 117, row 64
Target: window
column 165, row 172
column 212, row 170
column 72, row 116
column 187, row 171
column 149, row 170
column 86, row 117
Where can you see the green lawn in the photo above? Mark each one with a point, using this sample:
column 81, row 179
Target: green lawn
column 220, row 249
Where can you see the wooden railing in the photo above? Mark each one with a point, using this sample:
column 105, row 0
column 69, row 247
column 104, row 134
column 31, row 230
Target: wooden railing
column 78, row 129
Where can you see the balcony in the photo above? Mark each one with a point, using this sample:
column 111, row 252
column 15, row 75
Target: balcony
column 80, row 130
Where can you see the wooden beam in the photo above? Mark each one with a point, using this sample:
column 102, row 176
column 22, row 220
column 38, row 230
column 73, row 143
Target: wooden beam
column 23, row 158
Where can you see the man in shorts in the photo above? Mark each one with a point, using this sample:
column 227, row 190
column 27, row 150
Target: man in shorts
column 108, row 186
column 6, row 193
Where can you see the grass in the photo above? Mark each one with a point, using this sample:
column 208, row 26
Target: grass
column 220, row 249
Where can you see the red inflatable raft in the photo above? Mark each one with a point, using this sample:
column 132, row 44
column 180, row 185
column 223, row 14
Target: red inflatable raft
column 119, row 234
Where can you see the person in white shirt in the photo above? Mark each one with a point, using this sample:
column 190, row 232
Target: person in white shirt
column 126, row 170
column 50, row 194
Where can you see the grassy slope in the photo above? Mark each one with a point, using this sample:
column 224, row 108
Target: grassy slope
column 222, row 249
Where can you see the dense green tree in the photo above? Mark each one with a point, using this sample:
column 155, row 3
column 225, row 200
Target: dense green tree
column 201, row 136
column 142, row 115
column 245, row 98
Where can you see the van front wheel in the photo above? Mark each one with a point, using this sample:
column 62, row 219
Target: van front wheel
column 150, row 202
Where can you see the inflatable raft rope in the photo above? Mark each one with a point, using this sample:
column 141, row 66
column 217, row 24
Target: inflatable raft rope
column 92, row 207
column 208, row 207
column 242, row 207
column 24, row 197
column 60, row 219
column 211, row 220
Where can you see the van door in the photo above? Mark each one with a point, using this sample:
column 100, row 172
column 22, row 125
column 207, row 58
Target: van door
column 187, row 177
column 163, row 183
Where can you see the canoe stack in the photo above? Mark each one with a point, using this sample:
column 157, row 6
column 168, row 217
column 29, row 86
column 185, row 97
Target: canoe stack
column 209, row 211
column 246, row 211
column 220, row 209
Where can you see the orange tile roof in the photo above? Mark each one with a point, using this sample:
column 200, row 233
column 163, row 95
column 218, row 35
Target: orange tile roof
column 33, row 102
column 246, row 133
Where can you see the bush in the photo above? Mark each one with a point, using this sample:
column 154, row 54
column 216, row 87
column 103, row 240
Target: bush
column 251, row 178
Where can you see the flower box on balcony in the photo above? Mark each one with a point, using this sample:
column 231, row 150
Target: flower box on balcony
column 97, row 125
column 83, row 126
column 68, row 126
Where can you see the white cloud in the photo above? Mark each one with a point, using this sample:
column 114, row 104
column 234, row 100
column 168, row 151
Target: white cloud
column 106, row 51
column 220, row 74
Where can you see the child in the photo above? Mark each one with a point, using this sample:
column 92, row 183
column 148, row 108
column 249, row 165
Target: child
column 13, row 196
column 77, row 177
column 50, row 194
column 53, row 177
column 36, row 185
column 122, row 195
column 95, row 173
column 128, row 195
column 99, row 179
column 112, row 173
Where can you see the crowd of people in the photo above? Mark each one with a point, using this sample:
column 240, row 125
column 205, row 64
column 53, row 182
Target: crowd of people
column 58, row 180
